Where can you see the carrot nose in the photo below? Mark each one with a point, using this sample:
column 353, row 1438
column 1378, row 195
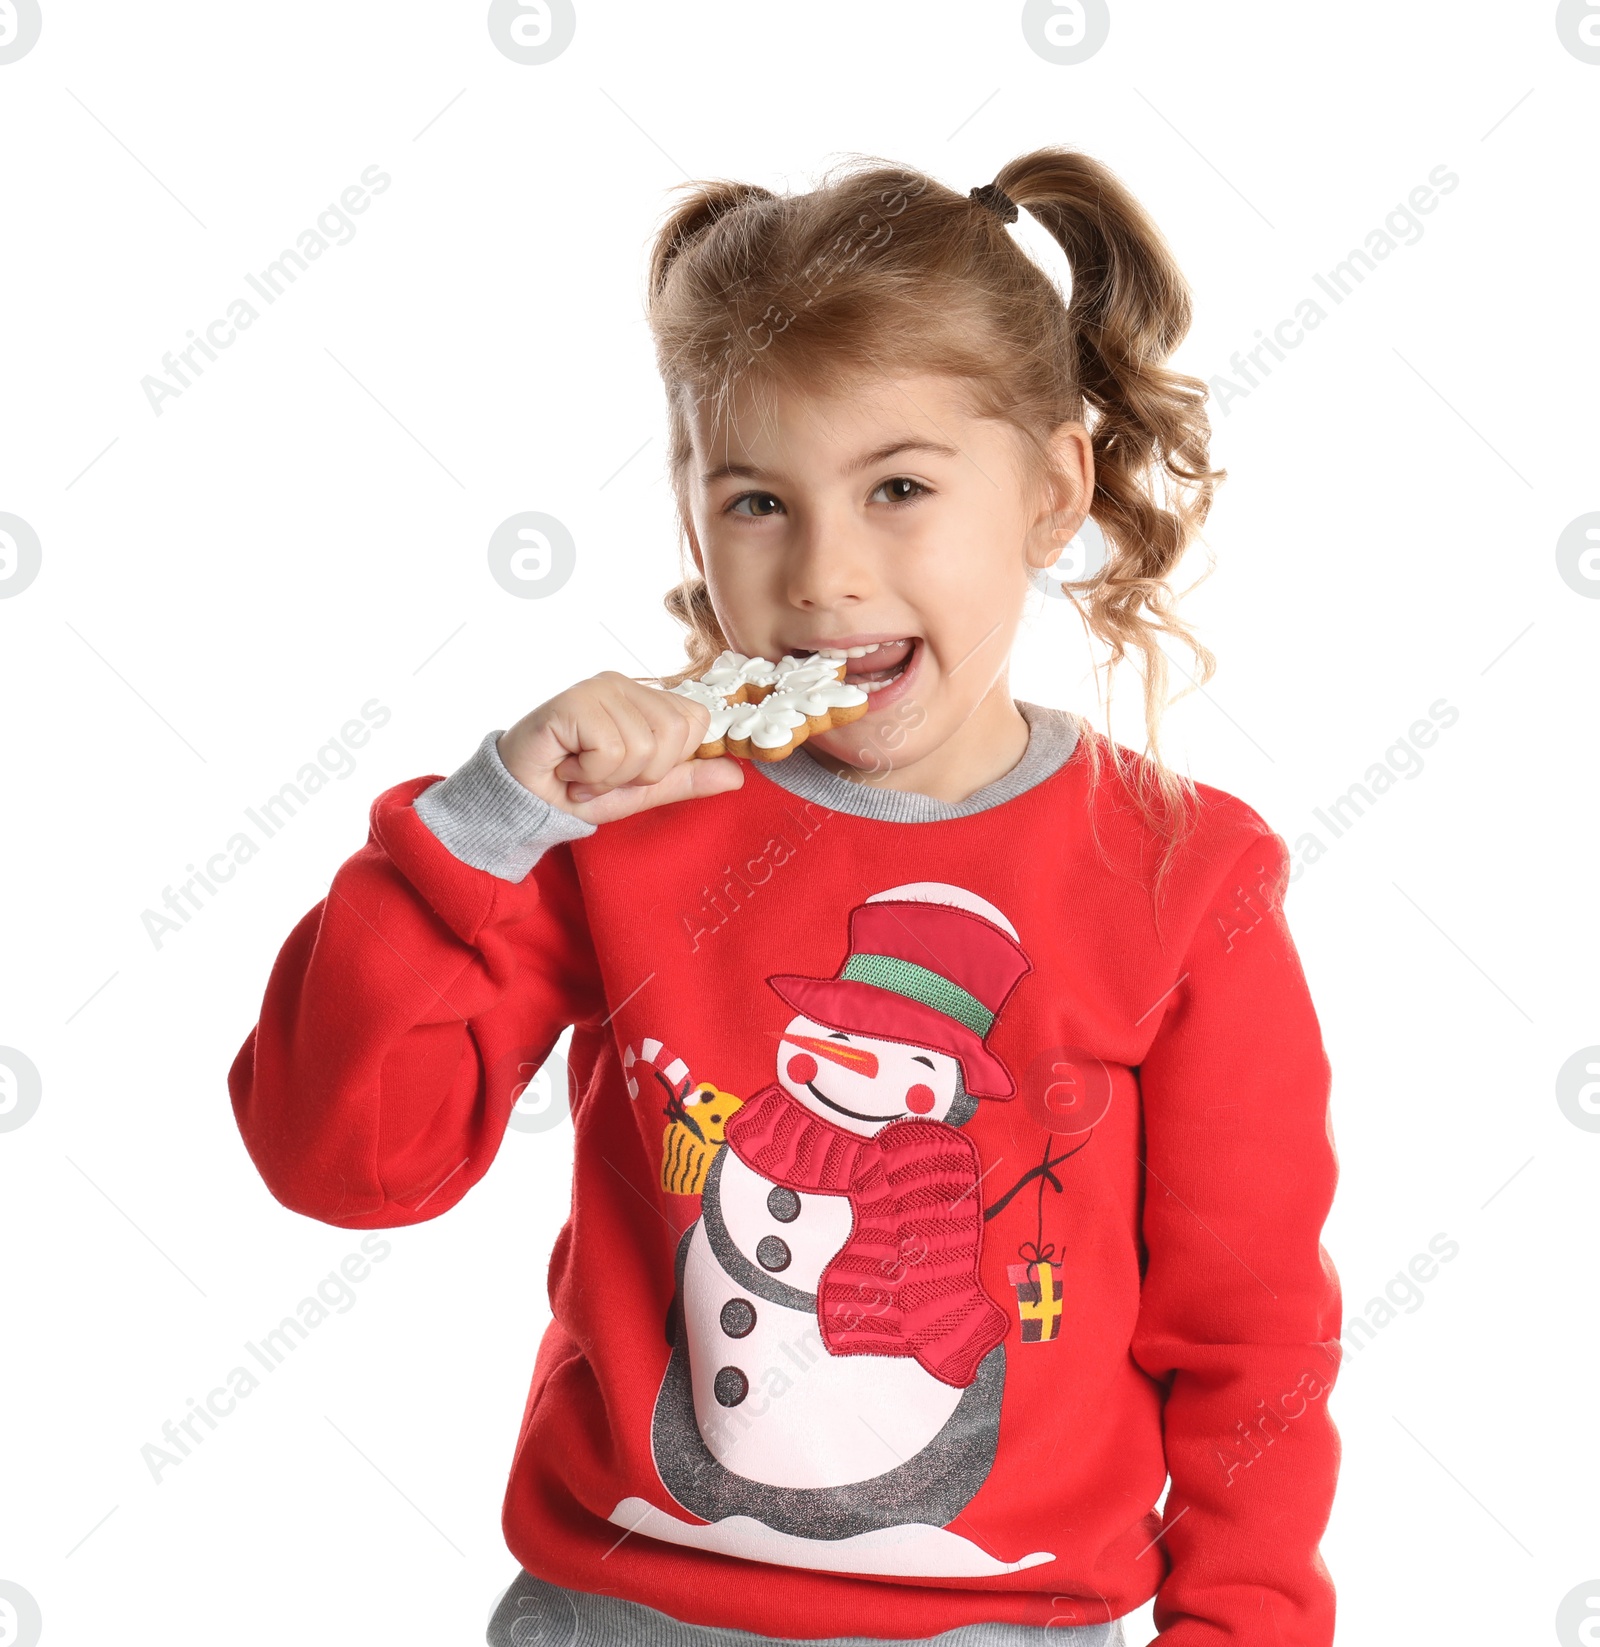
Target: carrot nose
column 856, row 1058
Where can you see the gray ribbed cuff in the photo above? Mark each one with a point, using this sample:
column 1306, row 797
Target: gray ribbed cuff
column 489, row 820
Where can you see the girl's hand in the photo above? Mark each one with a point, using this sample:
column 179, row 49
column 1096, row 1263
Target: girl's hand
column 609, row 747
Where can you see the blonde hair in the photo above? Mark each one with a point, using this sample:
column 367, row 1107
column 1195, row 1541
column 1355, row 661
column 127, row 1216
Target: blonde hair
column 881, row 267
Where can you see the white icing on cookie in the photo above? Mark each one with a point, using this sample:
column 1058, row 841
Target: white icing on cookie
column 797, row 672
column 767, row 725
column 733, row 670
column 700, row 692
column 818, row 697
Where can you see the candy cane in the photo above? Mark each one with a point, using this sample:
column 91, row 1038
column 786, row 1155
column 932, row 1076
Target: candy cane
column 663, row 1058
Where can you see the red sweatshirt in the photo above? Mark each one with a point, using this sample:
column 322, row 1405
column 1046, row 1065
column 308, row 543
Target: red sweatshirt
column 936, row 1198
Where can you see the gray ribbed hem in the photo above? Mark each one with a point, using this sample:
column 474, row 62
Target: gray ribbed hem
column 1052, row 737
column 532, row 1612
column 489, row 820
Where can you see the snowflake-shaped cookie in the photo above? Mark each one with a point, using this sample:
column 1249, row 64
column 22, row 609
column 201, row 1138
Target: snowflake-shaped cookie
column 763, row 711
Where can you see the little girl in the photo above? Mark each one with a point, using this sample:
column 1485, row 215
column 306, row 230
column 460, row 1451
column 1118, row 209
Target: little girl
column 950, row 1112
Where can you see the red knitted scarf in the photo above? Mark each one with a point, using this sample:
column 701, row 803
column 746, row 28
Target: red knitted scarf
column 906, row 1280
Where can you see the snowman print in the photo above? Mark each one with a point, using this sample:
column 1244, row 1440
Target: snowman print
column 832, row 1395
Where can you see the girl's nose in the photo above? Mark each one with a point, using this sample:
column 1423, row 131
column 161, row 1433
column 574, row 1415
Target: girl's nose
column 828, row 564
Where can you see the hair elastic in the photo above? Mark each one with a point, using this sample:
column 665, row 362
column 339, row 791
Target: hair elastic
column 996, row 199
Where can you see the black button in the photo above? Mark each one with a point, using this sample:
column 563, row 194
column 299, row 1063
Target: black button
column 783, row 1204
column 772, row 1253
column 738, row 1317
column 730, row 1387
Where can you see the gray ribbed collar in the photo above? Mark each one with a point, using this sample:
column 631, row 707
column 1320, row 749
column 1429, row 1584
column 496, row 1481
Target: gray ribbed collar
column 1052, row 736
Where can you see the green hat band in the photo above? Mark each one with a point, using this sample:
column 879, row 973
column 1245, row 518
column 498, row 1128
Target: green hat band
column 919, row 983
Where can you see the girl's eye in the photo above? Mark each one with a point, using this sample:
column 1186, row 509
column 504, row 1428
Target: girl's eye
column 754, row 498
column 913, row 489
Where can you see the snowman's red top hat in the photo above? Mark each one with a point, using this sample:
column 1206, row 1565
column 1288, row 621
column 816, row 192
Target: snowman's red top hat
column 932, row 973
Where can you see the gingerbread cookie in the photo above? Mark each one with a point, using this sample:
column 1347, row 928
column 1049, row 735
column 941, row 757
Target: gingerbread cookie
column 764, row 711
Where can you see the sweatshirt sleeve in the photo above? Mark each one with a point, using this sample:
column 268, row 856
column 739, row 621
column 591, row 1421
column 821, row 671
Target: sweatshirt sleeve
column 405, row 1010
column 1240, row 1309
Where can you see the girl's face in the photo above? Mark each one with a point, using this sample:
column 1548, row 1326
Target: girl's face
column 892, row 517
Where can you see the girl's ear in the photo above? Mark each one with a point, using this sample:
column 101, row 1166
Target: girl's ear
column 1069, row 491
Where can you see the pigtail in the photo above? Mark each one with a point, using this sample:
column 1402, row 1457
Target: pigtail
column 1130, row 308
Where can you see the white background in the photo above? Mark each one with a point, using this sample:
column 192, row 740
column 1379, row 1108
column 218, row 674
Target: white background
column 304, row 529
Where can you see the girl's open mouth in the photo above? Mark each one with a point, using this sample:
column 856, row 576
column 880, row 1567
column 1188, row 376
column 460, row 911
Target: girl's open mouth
column 872, row 668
